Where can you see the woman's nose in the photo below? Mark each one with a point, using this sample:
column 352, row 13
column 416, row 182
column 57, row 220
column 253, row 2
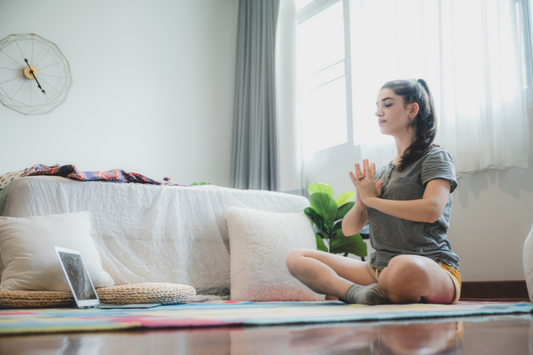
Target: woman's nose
column 379, row 112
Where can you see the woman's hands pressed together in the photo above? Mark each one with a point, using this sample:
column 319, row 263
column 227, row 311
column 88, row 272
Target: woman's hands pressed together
column 365, row 183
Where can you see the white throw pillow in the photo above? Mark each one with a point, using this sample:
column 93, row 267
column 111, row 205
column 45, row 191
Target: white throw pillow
column 29, row 258
column 260, row 243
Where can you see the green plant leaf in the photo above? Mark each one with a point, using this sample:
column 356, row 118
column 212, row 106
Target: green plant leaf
column 317, row 219
column 320, row 243
column 344, row 197
column 353, row 244
column 337, row 226
column 325, row 206
column 320, row 187
column 343, row 210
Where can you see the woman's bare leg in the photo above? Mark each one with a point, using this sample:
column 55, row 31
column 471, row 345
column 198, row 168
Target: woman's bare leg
column 413, row 278
column 327, row 273
column 407, row 278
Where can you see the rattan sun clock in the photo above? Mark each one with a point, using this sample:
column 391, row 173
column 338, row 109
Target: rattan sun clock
column 35, row 76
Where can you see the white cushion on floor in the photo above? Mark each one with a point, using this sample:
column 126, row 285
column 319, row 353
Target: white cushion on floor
column 260, row 243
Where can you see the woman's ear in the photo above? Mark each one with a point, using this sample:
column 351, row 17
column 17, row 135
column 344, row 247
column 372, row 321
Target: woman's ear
column 413, row 110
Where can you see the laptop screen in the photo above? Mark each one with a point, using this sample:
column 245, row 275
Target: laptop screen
column 78, row 277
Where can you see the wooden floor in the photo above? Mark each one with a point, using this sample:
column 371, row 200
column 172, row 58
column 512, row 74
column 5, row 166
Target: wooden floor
column 496, row 335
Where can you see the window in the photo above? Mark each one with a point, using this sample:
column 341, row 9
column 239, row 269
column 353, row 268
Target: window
column 324, row 77
column 525, row 21
column 476, row 55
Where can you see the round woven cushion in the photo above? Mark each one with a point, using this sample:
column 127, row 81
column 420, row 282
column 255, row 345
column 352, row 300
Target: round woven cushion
column 35, row 299
column 163, row 293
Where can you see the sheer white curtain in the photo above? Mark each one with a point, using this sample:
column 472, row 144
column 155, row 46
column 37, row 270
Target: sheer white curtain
column 469, row 52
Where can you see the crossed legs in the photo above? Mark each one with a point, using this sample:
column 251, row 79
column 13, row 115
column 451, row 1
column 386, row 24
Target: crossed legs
column 407, row 278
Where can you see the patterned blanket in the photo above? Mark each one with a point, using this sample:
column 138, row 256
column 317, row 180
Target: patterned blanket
column 225, row 313
column 116, row 175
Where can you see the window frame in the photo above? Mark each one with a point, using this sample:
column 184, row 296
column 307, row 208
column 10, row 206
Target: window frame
column 526, row 18
column 349, row 148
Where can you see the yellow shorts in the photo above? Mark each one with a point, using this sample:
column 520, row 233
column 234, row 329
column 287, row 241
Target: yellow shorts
column 450, row 270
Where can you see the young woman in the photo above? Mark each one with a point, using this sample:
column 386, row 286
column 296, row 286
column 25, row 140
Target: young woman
column 407, row 205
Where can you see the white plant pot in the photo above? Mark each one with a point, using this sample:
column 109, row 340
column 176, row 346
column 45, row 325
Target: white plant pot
column 528, row 263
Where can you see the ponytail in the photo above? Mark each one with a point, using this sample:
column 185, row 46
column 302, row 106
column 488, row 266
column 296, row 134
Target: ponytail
column 424, row 123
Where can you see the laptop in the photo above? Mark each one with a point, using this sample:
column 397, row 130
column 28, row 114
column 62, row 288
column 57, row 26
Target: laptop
column 81, row 284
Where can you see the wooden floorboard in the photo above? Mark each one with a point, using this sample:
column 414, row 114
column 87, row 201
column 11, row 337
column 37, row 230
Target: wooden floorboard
column 493, row 335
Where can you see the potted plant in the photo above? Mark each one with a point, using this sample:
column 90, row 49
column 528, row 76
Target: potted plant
column 327, row 214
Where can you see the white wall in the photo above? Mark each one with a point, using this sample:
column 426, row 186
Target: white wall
column 152, row 93
column 492, row 215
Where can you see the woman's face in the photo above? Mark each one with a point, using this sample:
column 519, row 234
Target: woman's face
column 393, row 116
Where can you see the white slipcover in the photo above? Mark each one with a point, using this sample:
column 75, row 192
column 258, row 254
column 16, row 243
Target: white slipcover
column 149, row 233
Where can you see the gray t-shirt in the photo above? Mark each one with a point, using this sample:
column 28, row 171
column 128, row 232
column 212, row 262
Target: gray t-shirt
column 392, row 236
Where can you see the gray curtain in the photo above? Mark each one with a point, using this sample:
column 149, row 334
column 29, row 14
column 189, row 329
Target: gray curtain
column 254, row 163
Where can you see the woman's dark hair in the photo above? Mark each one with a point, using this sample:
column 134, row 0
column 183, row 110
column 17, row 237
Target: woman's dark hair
column 424, row 123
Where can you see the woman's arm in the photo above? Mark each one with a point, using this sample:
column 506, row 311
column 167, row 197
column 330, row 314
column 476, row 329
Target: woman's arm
column 355, row 220
column 428, row 209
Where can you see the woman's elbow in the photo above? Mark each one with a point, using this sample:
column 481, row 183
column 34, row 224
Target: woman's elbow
column 431, row 220
column 346, row 230
column 433, row 214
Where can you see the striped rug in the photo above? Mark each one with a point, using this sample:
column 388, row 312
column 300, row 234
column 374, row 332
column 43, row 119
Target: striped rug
column 225, row 313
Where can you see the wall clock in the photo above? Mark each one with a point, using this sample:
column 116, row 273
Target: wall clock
column 35, row 76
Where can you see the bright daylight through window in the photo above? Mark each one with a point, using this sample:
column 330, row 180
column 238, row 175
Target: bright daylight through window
column 323, row 69
column 447, row 43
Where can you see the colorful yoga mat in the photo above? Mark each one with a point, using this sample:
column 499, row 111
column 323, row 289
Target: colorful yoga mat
column 224, row 313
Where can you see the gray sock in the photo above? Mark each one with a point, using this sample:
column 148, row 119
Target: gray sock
column 369, row 295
